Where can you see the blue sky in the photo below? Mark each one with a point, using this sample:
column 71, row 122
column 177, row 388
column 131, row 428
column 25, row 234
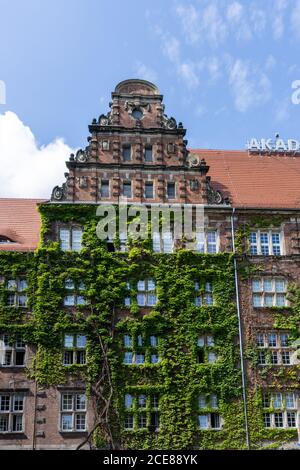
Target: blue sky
column 225, row 68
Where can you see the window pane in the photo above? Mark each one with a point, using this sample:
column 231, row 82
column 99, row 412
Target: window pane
column 128, row 401
column 141, row 300
column 171, row 190
column 268, row 287
column 126, row 152
column 142, row 401
column 208, row 299
column 280, row 300
column 69, row 341
column 257, row 300
column 140, row 358
column 284, row 339
column 149, row 190
column 69, row 284
column 128, row 358
column 142, row 421
column 80, row 422
column 141, row 286
column 154, row 358
column 202, row 401
column 67, row 402
column 80, row 401
column 80, row 300
column 127, row 341
column 214, row 401
column 17, row 423
column 68, row 358
column 200, row 242
column 80, row 357
column 66, row 422
column 291, row 419
column 104, row 188
column 260, row 340
column 4, row 402
column 128, row 424
column 286, row 359
column 151, row 285
column 267, row 420
column 290, row 400
column 277, row 400
column 203, row 421
column 148, row 153
column 151, row 300
column 64, row 236
column 18, row 402
column 4, row 423
column 272, row 340
column 22, row 285
column 278, row 420
column 212, row 357
column 140, row 340
column 153, row 341
column 81, row 341
column 76, row 239
column 210, row 341
column 69, row 300
column 280, row 285
column 256, row 285
column 269, row 300
column 215, row 421
column 200, row 341
column 127, row 189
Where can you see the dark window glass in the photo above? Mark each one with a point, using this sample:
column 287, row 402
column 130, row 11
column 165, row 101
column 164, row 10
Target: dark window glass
column 200, row 356
column 148, row 153
column 149, row 190
column 127, row 189
column 171, row 190
column 104, row 188
column 126, row 153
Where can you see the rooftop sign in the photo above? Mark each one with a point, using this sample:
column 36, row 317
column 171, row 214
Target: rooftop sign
column 277, row 145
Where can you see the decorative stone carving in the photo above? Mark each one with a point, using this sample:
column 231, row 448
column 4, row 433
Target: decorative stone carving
column 59, row 193
column 105, row 120
column 215, row 196
column 169, row 123
column 82, row 181
column 81, row 156
column 131, row 105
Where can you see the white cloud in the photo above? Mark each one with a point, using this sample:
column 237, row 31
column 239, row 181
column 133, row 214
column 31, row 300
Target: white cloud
column 295, row 19
column 249, row 86
column 278, row 25
column 234, row 12
column 145, row 72
column 189, row 20
column 282, row 110
column 171, row 47
column 270, row 62
column 186, row 71
column 27, row 169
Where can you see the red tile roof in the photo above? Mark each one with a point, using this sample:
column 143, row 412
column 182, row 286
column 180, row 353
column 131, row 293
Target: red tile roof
column 253, row 180
column 20, row 222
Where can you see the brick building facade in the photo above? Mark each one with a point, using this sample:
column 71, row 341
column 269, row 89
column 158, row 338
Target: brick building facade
column 251, row 208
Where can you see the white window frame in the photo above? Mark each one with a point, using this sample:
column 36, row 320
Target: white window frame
column 13, row 349
column 17, row 291
column 261, row 293
column 202, row 243
column 271, row 410
column 11, row 412
column 75, row 349
column 163, row 242
column 73, row 411
column 69, row 243
column 259, row 245
column 146, row 292
column 202, row 298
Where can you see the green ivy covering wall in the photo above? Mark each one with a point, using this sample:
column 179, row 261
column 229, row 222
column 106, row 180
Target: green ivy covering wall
column 178, row 378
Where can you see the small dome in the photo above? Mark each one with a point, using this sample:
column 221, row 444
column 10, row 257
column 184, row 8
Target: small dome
column 136, row 87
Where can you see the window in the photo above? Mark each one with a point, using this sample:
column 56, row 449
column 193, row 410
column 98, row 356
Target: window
column 4, row 239
column 17, row 296
column 171, row 147
column 208, row 420
column 127, row 189
column 286, row 409
column 74, row 293
column 148, row 153
column 74, row 349
column 104, row 188
column 205, row 351
column 126, row 153
column 146, row 296
column 141, row 411
column 73, row 412
column 11, row 412
column 163, row 243
column 149, row 190
column 269, row 292
column 105, row 144
column 275, row 344
column 265, row 243
column 70, row 239
column 206, row 242
column 171, row 190
column 12, row 352
column 140, row 351
column 203, row 294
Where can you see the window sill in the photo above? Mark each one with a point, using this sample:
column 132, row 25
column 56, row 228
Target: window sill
column 12, row 433
column 73, row 433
